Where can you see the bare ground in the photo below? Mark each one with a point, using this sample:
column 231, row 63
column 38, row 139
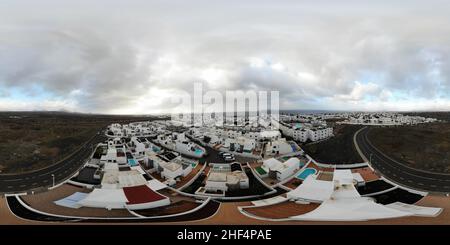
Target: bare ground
column 33, row 140
column 339, row 149
column 424, row 146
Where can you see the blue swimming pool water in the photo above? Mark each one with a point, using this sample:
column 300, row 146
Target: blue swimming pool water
column 306, row 173
column 198, row 152
column 132, row 162
column 293, row 148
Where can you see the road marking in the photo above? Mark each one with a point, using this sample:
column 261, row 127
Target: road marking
column 385, row 164
column 375, row 149
column 12, row 180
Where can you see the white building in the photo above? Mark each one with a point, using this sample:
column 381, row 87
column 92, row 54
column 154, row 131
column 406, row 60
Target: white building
column 171, row 170
column 114, row 154
column 278, row 147
column 240, row 144
column 281, row 170
column 222, row 179
column 301, row 135
column 316, row 134
column 138, row 146
column 314, row 130
column 179, row 143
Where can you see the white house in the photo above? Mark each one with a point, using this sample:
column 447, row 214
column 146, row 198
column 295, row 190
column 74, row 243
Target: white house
column 114, row 154
column 221, row 178
column 171, row 170
column 281, row 170
column 139, row 147
column 287, row 169
column 278, row 147
column 224, row 181
column 270, row 163
column 269, row 135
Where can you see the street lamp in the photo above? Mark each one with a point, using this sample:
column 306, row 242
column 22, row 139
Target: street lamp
column 53, row 178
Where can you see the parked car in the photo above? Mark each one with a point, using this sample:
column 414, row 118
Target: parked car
column 229, row 158
column 225, row 154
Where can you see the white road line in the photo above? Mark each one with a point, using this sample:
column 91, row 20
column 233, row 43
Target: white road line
column 12, row 180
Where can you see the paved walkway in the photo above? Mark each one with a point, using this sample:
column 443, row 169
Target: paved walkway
column 229, row 214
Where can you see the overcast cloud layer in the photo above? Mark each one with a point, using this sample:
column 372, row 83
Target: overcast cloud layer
column 134, row 56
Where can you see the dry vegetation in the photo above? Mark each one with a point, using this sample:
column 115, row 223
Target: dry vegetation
column 425, row 146
column 32, row 140
column 339, row 149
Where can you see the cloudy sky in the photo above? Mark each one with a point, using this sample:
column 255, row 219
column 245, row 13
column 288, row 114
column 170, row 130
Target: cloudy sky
column 134, row 56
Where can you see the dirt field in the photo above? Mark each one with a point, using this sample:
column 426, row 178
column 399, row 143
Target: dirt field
column 338, row 149
column 32, row 140
column 425, row 146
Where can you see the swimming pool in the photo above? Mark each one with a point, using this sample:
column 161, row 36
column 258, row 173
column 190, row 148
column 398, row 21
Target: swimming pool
column 305, row 173
column 198, row 152
column 294, row 147
column 132, row 162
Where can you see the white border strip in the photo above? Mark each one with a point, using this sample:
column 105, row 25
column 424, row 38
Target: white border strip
column 103, row 218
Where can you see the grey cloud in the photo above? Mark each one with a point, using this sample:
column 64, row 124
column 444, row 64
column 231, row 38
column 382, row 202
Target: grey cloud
column 108, row 57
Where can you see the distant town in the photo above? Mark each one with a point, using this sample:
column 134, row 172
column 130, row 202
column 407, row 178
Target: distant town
column 165, row 170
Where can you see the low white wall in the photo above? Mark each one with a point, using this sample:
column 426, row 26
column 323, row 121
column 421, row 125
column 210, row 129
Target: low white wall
column 107, row 218
column 339, row 166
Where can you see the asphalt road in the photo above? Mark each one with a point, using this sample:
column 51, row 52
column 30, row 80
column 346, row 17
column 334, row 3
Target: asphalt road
column 399, row 172
column 14, row 183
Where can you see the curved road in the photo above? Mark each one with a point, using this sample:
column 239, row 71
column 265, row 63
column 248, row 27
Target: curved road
column 399, row 172
column 14, row 183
